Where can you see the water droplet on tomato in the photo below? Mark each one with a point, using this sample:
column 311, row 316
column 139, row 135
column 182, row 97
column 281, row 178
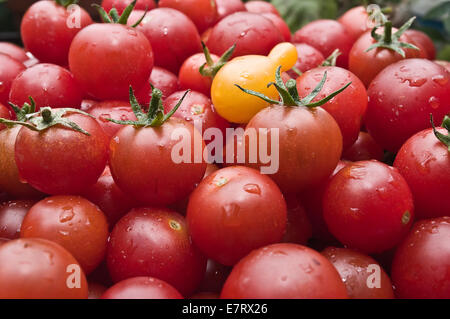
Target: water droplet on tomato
column 440, row 79
column 66, row 215
column 230, row 215
column 434, row 102
column 252, row 189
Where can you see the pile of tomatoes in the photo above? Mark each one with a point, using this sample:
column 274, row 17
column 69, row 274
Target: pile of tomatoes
column 113, row 186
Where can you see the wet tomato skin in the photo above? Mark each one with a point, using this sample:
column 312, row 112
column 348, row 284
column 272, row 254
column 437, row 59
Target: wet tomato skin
column 155, row 242
column 73, row 222
column 14, row 51
column 142, row 288
column 424, row 162
column 422, row 40
column 12, row 214
column 190, row 77
column 308, row 58
column 368, row 206
column 301, row 273
column 233, row 211
column 227, row 7
column 421, row 262
column 34, row 268
column 356, row 21
column 298, row 227
column 355, row 270
column 280, row 24
column 10, row 68
column 120, row 5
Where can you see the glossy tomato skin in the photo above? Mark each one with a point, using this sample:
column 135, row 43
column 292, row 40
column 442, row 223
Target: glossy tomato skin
column 142, row 288
column 302, row 132
column 51, row 161
column 423, row 41
column 4, row 114
column 121, row 68
column 116, row 110
column 280, row 24
column 109, row 198
column 348, row 107
column 10, row 181
column 155, row 242
column 261, row 7
column 120, row 5
column 34, row 268
column 445, row 64
column 190, row 76
column 234, row 211
column 326, row 36
column 10, row 68
column 73, row 222
column 308, row 58
column 401, row 99
column 298, row 227
column 162, row 79
column 368, row 206
column 301, row 273
column 14, row 51
column 355, row 270
column 424, row 162
column 227, row 7
column 12, row 214
column 46, row 31
column 49, row 85
column 251, row 32
column 202, row 12
column 365, row 148
column 164, row 182
column 421, row 262
column 172, row 34
column 356, row 21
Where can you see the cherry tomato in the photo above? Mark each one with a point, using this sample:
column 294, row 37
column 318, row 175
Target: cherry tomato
column 142, row 288
column 109, row 198
column 34, row 268
column 425, row 164
column 368, row 206
column 280, row 24
column 9, row 69
column 365, row 148
column 261, row 7
column 155, row 242
column 162, row 79
column 308, row 58
column 359, row 272
column 298, row 228
column 49, row 85
column 422, row 40
column 202, row 12
column 13, row 51
column 251, row 32
column 301, row 273
column 47, row 32
column 356, row 21
column 445, row 64
column 401, row 99
column 12, row 214
column 227, row 7
column 215, row 277
column 60, row 160
column 120, row 5
column 234, row 211
column 326, row 36
column 191, row 78
column 73, row 222
column 421, row 262
column 348, row 107
column 100, row 47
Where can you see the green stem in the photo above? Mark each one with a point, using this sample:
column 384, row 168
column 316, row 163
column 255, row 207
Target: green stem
column 388, row 32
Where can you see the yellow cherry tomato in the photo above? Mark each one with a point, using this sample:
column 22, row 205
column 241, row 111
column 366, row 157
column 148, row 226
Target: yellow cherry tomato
column 251, row 72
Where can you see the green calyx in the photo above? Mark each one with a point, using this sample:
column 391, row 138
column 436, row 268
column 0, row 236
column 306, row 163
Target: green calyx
column 155, row 116
column 391, row 41
column 441, row 137
column 113, row 15
column 331, row 60
column 210, row 69
column 289, row 94
column 66, row 3
column 45, row 118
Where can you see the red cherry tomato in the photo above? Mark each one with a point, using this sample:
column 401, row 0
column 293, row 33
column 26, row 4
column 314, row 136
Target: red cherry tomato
column 326, row 36
column 234, row 211
column 425, row 164
column 298, row 228
column 280, row 24
column 142, row 288
column 308, row 58
column 422, row 40
column 73, row 222
column 301, row 273
column 13, row 51
column 421, row 262
column 356, row 21
column 202, row 12
column 368, row 206
column 163, row 27
column 190, row 77
column 401, row 99
column 227, row 7
column 365, row 148
column 157, row 243
column 9, row 69
column 60, row 160
column 162, row 79
column 46, row 31
column 49, row 85
column 120, row 5
column 261, row 7
column 12, row 214
column 35, row 268
column 100, row 47
column 445, row 64
column 356, row 269
column 251, row 32
column 348, row 107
